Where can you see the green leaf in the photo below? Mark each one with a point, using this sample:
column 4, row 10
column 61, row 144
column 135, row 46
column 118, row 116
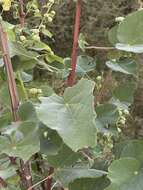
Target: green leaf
column 126, row 66
column 82, row 42
column 4, row 95
column 41, row 46
column 68, row 175
column 9, row 29
column 125, row 174
column 16, row 48
column 65, row 157
column 47, row 33
column 72, row 115
column 130, row 48
column 50, row 58
column 7, row 172
column 118, row 104
column 23, row 63
column 89, row 184
column 112, row 35
column 26, row 77
column 27, row 112
column 46, row 90
column 130, row 29
column 21, row 140
column 85, row 64
column 5, row 118
column 50, row 141
column 134, row 149
column 125, row 96
column 107, row 114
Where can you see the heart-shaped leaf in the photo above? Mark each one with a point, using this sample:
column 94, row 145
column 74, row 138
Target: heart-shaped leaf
column 125, row 174
column 129, row 165
column 72, row 115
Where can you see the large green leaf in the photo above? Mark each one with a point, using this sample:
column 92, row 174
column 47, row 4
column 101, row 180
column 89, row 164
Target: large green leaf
column 72, row 115
column 125, row 174
column 129, row 165
column 68, row 175
column 130, row 29
column 126, row 66
column 20, row 140
column 65, row 157
column 89, row 184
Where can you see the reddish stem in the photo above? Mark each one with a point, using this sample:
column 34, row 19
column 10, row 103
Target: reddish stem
column 71, row 77
column 25, row 169
column 49, row 181
column 21, row 13
column 10, row 74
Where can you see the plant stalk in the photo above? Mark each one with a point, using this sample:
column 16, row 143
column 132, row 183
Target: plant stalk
column 21, row 13
column 71, row 77
column 14, row 99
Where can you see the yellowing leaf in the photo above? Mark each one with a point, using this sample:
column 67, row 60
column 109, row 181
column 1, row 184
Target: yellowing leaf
column 6, row 5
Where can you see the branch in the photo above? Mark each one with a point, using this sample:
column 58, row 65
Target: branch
column 105, row 86
column 25, row 174
column 100, row 48
column 71, row 76
column 38, row 183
